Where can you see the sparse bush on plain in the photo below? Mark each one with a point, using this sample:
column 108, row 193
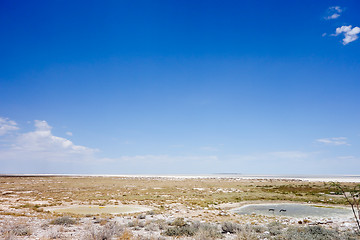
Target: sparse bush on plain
column 141, row 216
column 21, row 230
column 151, row 226
column 246, row 235
column 12, row 230
column 197, row 230
column 141, row 224
column 179, row 222
column 65, row 221
column 9, row 236
column 162, row 224
column 258, row 228
column 249, row 232
column 312, row 233
column 54, row 233
column 207, row 231
column 106, row 232
column 187, row 231
column 275, row 228
column 113, row 228
column 352, row 197
column 150, row 238
column 126, row 235
column 151, row 213
column 133, row 223
column 229, row 227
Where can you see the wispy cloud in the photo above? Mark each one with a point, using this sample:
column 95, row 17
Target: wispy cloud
column 350, row 33
column 336, row 141
column 69, row 133
column 7, row 126
column 333, row 12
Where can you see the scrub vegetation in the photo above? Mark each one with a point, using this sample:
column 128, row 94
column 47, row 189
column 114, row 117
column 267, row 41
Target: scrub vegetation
column 195, row 192
column 182, row 208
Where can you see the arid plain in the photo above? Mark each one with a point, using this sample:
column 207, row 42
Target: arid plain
column 35, row 207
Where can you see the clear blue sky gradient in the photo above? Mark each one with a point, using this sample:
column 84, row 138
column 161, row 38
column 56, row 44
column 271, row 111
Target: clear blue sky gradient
column 165, row 87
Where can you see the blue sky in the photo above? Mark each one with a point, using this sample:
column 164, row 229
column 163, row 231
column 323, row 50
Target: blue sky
column 180, row 87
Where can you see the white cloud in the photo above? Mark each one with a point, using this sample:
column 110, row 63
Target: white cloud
column 7, row 125
column 41, row 144
column 333, row 12
column 350, row 33
column 69, row 133
column 337, row 141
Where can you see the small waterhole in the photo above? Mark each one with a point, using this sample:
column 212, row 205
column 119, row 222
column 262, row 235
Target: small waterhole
column 293, row 210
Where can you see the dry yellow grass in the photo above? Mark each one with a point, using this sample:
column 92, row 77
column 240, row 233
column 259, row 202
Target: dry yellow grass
column 33, row 194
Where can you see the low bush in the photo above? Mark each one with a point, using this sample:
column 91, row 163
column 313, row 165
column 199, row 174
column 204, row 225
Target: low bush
column 312, row 233
column 197, row 230
column 162, row 224
column 141, row 216
column 107, row 232
column 11, row 231
column 275, row 228
column 126, row 235
column 151, row 226
column 187, row 231
column 206, row 231
column 21, row 230
column 179, row 222
column 142, row 224
column 133, row 223
column 54, row 233
column 229, row 227
column 66, row 221
column 9, row 236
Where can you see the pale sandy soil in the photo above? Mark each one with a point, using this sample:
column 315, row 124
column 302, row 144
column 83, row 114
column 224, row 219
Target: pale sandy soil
column 29, row 202
column 43, row 229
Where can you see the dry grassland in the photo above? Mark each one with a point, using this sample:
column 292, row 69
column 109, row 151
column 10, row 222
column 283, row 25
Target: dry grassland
column 35, row 193
column 30, row 199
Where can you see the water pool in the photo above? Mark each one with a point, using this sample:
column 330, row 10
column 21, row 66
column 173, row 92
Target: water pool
column 293, row 210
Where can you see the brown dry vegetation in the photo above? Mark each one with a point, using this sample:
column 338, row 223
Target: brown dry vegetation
column 201, row 199
column 35, row 193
